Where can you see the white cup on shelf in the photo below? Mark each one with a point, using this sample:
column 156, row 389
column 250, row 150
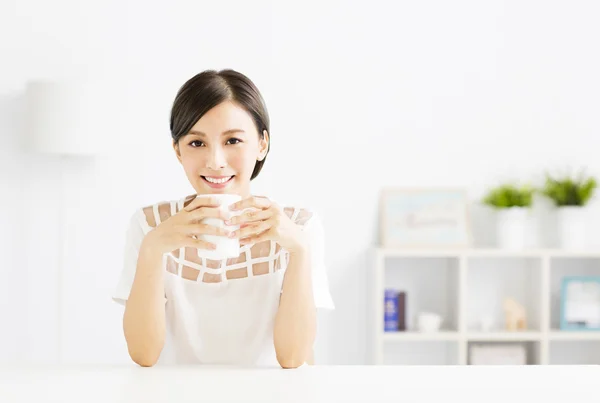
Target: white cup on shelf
column 429, row 322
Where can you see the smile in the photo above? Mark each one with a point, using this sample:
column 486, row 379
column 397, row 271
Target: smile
column 217, row 181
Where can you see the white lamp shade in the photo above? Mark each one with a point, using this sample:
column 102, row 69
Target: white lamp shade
column 67, row 117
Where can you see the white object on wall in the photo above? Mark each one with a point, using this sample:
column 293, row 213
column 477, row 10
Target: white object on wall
column 64, row 118
column 73, row 117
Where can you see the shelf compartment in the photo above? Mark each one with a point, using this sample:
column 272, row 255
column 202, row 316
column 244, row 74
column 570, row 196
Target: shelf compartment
column 430, row 352
column 532, row 351
column 575, row 352
column 431, row 285
column 490, row 281
column 561, row 267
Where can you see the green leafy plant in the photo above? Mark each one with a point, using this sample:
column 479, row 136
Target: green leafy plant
column 568, row 190
column 509, row 195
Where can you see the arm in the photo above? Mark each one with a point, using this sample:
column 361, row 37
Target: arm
column 144, row 317
column 295, row 322
column 142, row 284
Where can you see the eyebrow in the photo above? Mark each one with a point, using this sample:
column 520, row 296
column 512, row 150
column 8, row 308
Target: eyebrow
column 226, row 132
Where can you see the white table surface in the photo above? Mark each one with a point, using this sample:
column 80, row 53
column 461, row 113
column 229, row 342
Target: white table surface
column 132, row 384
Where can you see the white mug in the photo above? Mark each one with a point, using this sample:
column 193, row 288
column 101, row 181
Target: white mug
column 226, row 247
column 429, row 322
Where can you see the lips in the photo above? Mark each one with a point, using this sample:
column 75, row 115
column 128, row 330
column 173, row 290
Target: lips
column 217, row 179
column 217, row 182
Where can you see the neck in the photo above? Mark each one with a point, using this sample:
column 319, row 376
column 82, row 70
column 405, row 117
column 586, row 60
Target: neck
column 245, row 192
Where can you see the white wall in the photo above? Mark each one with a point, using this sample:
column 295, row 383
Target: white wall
column 361, row 96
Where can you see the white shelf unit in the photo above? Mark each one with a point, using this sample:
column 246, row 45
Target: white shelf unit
column 464, row 284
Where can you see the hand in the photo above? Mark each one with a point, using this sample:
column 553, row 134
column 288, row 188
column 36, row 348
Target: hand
column 185, row 227
column 266, row 221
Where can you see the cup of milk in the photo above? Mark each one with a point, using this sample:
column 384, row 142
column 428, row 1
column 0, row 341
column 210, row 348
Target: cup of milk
column 226, row 247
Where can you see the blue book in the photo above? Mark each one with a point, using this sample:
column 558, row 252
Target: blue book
column 390, row 310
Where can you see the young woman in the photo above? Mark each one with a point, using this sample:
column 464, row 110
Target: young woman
column 255, row 309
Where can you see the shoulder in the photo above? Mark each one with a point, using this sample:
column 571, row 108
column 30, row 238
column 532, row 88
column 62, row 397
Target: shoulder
column 151, row 215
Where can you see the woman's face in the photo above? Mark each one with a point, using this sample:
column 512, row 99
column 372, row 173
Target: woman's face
column 219, row 153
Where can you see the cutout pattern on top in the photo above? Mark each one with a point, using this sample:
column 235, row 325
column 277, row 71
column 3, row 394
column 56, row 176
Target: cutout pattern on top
column 258, row 259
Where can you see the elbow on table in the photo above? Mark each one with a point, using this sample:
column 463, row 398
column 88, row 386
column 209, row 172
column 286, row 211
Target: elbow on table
column 290, row 362
column 144, row 359
column 295, row 357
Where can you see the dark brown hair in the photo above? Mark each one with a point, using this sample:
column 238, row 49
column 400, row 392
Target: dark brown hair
column 208, row 89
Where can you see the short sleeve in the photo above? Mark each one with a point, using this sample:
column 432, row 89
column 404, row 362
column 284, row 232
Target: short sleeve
column 133, row 240
column 316, row 235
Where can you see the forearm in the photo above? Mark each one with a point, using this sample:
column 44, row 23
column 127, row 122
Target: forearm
column 295, row 322
column 144, row 318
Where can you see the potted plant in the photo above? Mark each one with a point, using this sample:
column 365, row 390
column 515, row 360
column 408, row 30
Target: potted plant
column 570, row 195
column 512, row 204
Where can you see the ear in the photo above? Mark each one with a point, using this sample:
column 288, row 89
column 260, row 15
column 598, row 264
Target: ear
column 263, row 146
column 177, row 152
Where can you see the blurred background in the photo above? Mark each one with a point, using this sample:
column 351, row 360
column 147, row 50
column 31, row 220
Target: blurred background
column 363, row 96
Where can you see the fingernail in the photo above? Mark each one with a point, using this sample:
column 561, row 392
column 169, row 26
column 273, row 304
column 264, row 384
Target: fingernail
column 228, row 222
column 232, row 234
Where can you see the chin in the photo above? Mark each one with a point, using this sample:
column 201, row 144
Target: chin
column 206, row 190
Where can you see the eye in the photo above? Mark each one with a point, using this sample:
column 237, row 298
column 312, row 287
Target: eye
column 233, row 140
column 196, row 143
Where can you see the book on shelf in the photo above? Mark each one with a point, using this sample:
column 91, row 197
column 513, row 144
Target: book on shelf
column 394, row 310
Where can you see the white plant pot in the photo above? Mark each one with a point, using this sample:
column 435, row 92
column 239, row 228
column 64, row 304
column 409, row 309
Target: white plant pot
column 512, row 227
column 571, row 226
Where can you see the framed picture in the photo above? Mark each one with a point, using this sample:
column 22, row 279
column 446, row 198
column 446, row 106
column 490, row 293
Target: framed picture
column 424, row 218
column 580, row 303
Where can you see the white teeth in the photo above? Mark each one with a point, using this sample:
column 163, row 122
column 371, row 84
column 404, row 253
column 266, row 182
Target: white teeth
column 215, row 180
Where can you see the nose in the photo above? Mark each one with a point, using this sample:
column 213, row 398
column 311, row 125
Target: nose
column 216, row 159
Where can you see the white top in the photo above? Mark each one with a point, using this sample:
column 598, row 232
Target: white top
column 314, row 384
column 222, row 312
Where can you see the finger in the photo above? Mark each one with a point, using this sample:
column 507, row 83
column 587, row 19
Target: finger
column 206, row 229
column 199, row 243
column 250, row 216
column 201, row 201
column 264, row 236
column 208, row 212
column 259, row 202
column 252, row 229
